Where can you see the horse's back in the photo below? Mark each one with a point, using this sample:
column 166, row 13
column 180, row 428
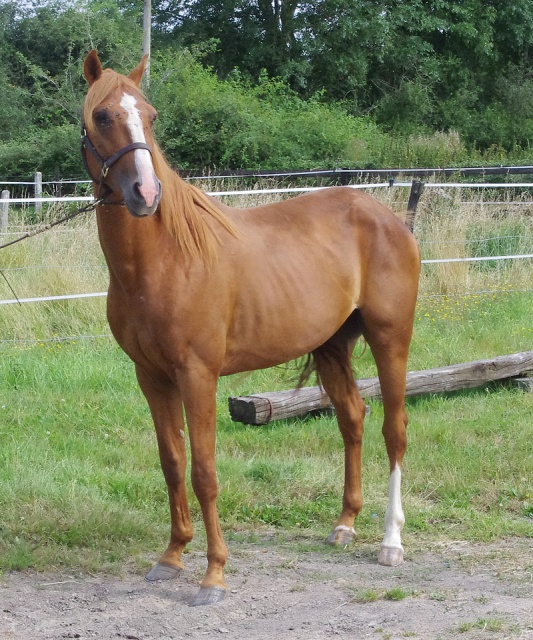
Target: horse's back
column 334, row 212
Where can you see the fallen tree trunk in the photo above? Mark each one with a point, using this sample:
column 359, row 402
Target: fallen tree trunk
column 265, row 407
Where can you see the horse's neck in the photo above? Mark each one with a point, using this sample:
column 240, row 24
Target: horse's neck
column 131, row 245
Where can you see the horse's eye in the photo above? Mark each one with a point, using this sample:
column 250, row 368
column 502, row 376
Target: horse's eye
column 102, row 117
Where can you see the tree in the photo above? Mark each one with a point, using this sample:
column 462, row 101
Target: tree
column 41, row 82
column 411, row 66
column 414, row 64
column 252, row 35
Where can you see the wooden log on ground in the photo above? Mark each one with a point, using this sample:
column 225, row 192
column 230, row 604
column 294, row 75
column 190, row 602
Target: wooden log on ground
column 262, row 408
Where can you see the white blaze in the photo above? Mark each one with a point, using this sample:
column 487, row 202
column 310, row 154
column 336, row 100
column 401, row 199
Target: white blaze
column 143, row 159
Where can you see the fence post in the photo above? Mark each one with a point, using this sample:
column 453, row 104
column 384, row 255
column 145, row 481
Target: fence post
column 4, row 210
column 416, row 191
column 38, row 190
column 57, row 185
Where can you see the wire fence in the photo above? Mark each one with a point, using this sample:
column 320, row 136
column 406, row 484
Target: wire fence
column 427, row 262
column 345, row 174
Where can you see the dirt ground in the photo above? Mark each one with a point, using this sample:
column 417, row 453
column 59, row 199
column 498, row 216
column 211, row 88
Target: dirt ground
column 457, row 590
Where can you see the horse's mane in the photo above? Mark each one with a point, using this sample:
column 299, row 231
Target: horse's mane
column 183, row 206
column 183, row 210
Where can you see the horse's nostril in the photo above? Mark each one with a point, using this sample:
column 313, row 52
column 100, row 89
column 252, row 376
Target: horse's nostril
column 142, row 198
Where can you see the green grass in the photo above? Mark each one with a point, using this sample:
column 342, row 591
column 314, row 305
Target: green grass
column 490, row 625
column 80, row 482
column 81, row 487
column 372, row 595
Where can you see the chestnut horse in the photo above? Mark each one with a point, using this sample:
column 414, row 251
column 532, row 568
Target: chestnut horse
column 200, row 290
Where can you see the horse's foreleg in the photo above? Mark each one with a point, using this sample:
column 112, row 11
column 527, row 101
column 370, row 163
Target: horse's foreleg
column 198, row 385
column 165, row 404
column 338, row 382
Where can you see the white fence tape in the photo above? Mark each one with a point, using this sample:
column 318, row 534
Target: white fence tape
column 253, row 192
column 478, row 259
column 73, row 296
column 102, row 294
column 50, row 199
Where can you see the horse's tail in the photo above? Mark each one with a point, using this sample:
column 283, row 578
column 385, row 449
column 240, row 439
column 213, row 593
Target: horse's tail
column 308, row 369
column 328, row 351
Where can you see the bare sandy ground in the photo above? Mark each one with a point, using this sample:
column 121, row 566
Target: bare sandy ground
column 457, row 590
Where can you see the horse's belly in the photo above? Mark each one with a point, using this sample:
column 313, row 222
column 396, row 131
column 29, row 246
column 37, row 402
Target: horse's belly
column 279, row 333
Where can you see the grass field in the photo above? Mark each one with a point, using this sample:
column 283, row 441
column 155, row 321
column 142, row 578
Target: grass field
column 80, row 483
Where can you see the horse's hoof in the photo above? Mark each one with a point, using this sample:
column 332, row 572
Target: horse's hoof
column 208, row 595
column 390, row 556
column 341, row 536
column 162, row 571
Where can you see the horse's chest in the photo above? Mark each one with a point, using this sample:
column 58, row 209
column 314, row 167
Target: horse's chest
column 146, row 331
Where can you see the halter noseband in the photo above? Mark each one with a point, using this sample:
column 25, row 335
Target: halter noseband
column 105, row 165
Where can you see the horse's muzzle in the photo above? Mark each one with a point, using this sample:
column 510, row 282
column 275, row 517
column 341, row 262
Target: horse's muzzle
column 142, row 201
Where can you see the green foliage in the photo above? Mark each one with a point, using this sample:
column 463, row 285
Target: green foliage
column 395, row 594
column 43, row 150
column 419, row 66
column 323, row 84
column 14, row 104
column 43, row 49
column 512, row 239
column 205, row 122
column 492, row 625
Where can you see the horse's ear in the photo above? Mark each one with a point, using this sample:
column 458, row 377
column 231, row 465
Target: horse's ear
column 92, row 67
column 137, row 74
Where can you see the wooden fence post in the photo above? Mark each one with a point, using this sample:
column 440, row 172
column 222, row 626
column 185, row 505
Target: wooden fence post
column 38, row 190
column 4, row 210
column 416, row 191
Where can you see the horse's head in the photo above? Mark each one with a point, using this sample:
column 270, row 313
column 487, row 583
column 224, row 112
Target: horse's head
column 117, row 137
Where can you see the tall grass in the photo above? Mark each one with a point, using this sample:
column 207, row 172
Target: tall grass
column 65, row 260
column 80, row 483
column 475, row 224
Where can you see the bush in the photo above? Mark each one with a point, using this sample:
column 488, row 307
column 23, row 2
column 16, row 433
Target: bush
column 43, row 150
column 440, row 149
column 208, row 123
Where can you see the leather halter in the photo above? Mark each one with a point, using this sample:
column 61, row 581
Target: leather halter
column 105, row 165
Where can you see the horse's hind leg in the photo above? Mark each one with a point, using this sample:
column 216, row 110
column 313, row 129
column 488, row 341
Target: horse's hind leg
column 390, row 344
column 333, row 366
column 165, row 404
